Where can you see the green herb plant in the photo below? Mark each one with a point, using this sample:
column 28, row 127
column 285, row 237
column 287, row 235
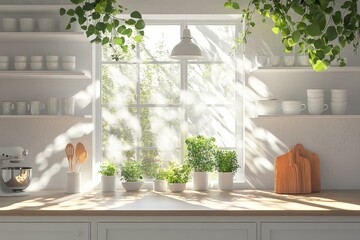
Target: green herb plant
column 226, row 161
column 200, row 153
column 318, row 28
column 161, row 174
column 131, row 171
column 178, row 174
column 101, row 21
column 108, row 168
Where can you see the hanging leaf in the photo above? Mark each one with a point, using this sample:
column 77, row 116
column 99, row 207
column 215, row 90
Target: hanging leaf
column 331, row 33
column 135, row 14
column 140, row 24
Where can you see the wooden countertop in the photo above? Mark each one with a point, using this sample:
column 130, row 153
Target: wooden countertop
column 188, row 203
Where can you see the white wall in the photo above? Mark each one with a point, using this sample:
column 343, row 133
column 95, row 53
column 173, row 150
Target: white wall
column 335, row 140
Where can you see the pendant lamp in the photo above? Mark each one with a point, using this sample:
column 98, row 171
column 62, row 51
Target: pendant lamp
column 186, row 49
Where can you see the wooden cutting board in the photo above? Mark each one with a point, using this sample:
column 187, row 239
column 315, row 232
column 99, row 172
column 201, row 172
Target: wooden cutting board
column 304, row 170
column 286, row 174
column 314, row 166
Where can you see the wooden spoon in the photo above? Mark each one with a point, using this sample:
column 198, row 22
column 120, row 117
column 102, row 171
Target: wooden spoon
column 81, row 155
column 69, row 150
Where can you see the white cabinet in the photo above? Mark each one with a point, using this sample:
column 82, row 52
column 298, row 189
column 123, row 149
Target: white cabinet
column 177, row 231
column 45, row 231
column 310, row 231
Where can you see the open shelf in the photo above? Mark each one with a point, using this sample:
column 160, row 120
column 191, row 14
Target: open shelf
column 305, row 69
column 46, row 117
column 74, row 75
column 345, row 116
column 24, row 8
column 41, row 37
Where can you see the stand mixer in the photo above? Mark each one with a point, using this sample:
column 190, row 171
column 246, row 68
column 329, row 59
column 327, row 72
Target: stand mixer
column 12, row 186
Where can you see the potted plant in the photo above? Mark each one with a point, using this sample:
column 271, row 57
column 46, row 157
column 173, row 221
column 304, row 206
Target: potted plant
column 177, row 177
column 131, row 173
column 101, row 21
column 108, row 171
column 226, row 165
column 200, row 157
column 318, row 28
column 160, row 182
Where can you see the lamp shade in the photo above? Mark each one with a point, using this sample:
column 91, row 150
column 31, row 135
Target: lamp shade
column 186, row 49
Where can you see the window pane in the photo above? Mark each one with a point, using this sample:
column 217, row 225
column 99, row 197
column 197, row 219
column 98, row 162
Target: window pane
column 160, row 128
column 120, row 127
column 211, row 84
column 117, row 79
column 158, row 42
column 216, row 41
column 160, row 84
column 218, row 122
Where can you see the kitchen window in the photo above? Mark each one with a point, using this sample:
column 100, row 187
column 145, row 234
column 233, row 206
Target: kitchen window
column 151, row 103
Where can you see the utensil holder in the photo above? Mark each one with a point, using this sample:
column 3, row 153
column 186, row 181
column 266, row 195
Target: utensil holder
column 73, row 182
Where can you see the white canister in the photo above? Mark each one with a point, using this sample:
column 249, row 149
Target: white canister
column 27, row 25
column 52, row 106
column 73, row 182
column 22, row 108
column 68, row 106
column 36, row 107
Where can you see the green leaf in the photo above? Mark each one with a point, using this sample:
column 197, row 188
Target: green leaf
column 296, row 36
column 314, row 29
column 301, row 26
column 142, row 33
column 127, row 32
column 73, row 19
column 138, row 38
column 135, row 14
column 109, row 27
column 100, row 26
column 130, row 22
column 339, row 29
column 70, row 12
column 106, row 18
column 267, row 7
column 324, row 4
column 62, row 11
column 331, row 33
column 252, row 24
column 79, row 11
column 320, row 66
column 140, row 24
column 336, row 17
column 105, row 40
column 119, row 40
column 68, row 26
column 95, row 15
column 298, row 8
column 276, row 30
column 82, row 20
column 228, row 4
column 121, row 28
column 90, row 31
column 76, row 2
column 88, row 6
column 342, row 41
column 346, row 5
column 235, row 5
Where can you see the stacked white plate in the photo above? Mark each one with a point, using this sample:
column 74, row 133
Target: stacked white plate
column 4, row 63
column 315, row 100
column 339, row 101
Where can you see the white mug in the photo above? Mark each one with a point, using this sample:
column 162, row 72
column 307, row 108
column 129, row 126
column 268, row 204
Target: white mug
column 52, row 106
column 68, row 106
column 292, row 107
column 36, row 107
column 9, row 24
column 7, row 108
column 338, row 108
column 22, row 108
column 317, row 107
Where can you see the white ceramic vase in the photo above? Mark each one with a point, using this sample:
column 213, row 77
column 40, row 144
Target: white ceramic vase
column 177, row 187
column 226, row 181
column 73, row 182
column 108, row 183
column 132, row 186
column 160, row 185
column 200, row 181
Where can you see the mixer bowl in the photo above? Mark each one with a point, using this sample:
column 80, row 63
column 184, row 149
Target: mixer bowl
column 16, row 178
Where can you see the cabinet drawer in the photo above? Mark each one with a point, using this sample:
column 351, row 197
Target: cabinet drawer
column 310, row 231
column 177, row 231
column 45, row 231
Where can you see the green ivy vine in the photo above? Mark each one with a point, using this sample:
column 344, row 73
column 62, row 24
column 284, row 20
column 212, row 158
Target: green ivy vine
column 102, row 22
column 318, row 28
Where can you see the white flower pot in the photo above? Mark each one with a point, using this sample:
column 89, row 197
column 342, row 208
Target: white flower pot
column 160, row 185
column 132, row 186
column 177, row 187
column 200, row 181
column 108, row 183
column 226, row 181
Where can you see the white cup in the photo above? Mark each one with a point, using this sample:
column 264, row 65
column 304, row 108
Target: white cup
column 27, row 25
column 268, row 107
column 7, row 108
column 52, row 106
column 36, row 66
column 289, row 61
column 292, row 107
column 68, row 58
column 36, row 107
column 20, row 58
column 9, row 24
column 303, row 60
column 37, row 58
column 338, row 108
column 73, row 182
column 20, row 66
column 52, row 58
column 315, row 108
column 315, row 92
column 47, row 24
column 22, row 108
column 68, row 66
column 261, row 61
column 52, row 66
column 275, row 61
column 338, row 93
column 68, row 106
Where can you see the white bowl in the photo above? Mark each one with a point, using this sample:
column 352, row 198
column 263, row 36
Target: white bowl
column 267, row 107
column 68, row 66
column 292, row 107
column 315, row 92
column 261, row 61
column 52, row 66
column 132, row 186
column 20, row 66
column 52, row 58
column 4, row 59
column 47, row 24
column 338, row 93
column 289, row 61
column 9, row 24
column 27, row 25
column 275, row 61
column 4, row 66
column 68, row 58
column 36, row 66
column 37, row 58
column 20, row 58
